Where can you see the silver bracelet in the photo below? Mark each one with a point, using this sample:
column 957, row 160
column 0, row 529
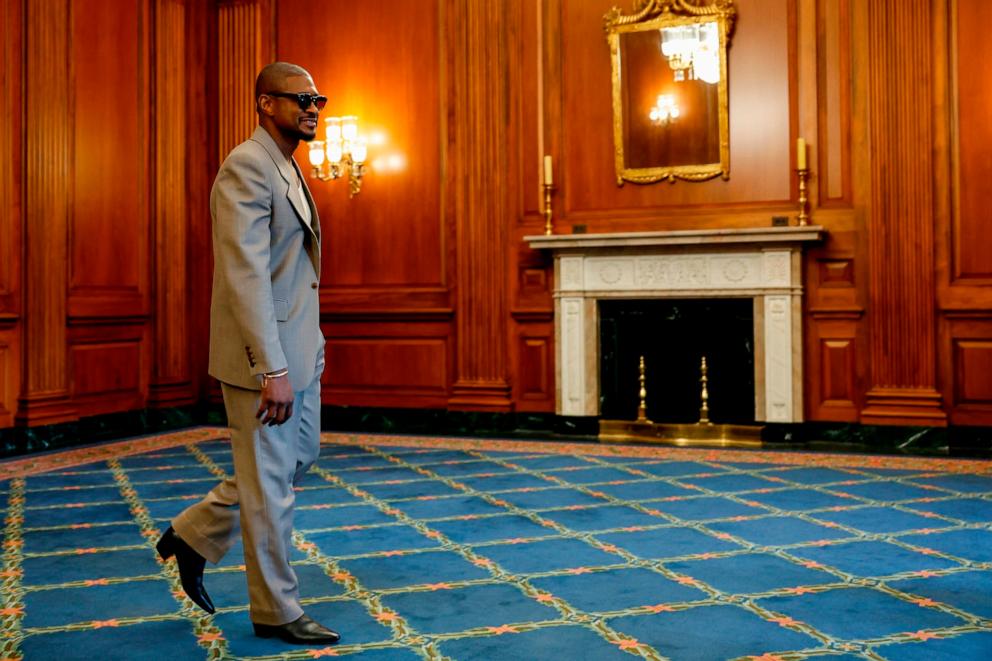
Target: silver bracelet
column 273, row 375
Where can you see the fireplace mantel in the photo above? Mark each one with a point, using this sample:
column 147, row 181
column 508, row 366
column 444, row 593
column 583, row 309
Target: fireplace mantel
column 763, row 263
column 746, row 236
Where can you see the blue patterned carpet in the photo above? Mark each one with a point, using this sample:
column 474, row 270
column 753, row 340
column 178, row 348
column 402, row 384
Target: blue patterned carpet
column 483, row 550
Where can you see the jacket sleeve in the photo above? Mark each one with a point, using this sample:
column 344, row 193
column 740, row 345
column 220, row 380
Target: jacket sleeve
column 241, row 202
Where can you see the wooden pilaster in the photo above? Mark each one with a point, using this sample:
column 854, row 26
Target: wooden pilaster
column 45, row 392
column 170, row 379
column 478, row 89
column 902, row 288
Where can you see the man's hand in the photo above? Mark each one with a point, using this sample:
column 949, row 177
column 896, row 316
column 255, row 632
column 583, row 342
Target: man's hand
column 276, row 402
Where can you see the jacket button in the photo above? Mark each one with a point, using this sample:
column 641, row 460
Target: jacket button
column 313, row 285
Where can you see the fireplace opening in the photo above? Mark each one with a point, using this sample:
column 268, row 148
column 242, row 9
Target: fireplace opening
column 673, row 335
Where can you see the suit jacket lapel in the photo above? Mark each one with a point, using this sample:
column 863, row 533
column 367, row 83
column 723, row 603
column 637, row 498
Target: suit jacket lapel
column 290, row 175
column 314, row 222
column 314, row 226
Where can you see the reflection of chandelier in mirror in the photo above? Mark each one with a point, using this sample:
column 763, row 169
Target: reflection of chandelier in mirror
column 343, row 153
column 665, row 110
column 693, row 48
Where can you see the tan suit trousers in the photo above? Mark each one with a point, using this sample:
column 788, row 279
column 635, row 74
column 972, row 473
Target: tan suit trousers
column 268, row 462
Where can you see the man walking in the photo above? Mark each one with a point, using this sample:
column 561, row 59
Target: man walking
column 267, row 350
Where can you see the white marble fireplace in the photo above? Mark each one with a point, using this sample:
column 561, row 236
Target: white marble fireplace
column 764, row 264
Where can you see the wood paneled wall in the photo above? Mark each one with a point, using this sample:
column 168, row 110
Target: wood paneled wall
column 429, row 295
column 99, row 143
column 390, row 253
column 964, row 227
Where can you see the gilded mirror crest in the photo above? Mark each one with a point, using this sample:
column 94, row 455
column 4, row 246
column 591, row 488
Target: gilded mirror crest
column 670, row 110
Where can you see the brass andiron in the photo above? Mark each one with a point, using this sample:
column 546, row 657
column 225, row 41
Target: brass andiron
column 704, row 409
column 642, row 409
column 703, row 433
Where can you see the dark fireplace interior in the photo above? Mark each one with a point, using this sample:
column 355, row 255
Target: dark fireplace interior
column 672, row 335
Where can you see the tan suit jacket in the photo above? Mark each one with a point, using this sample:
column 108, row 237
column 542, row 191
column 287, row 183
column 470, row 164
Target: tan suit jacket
column 264, row 310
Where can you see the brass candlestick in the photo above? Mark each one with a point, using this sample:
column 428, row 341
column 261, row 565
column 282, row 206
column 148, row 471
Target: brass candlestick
column 704, row 410
column 642, row 408
column 547, row 208
column 803, row 199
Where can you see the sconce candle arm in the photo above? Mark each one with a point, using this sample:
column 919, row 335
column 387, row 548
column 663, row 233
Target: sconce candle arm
column 342, row 154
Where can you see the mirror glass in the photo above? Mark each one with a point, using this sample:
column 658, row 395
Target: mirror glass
column 670, row 109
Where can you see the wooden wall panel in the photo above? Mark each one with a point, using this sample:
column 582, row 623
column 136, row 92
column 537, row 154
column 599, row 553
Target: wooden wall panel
column 47, row 158
column 170, row 381
column 245, row 44
column 201, row 139
column 534, row 385
column 109, row 366
column 479, row 94
column 835, row 392
column 11, row 234
column 964, row 265
column 833, row 41
column 529, row 275
column 972, row 226
column 109, row 301
column 382, row 363
column 967, row 342
column 10, row 161
column 385, row 68
column 388, row 251
column 903, row 386
column 10, row 372
column 829, row 89
column 760, row 136
column 972, row 366
column 108, row 234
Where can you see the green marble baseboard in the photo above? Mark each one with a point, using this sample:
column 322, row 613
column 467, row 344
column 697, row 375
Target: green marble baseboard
column 16, row 441
column 810, row 436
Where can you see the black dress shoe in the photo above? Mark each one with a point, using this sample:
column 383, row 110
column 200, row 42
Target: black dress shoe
column 304, row 631
column 190, row 567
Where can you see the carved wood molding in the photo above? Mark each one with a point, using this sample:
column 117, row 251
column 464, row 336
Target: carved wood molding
column 902, row 288
column 44, row 397
column 479, row 94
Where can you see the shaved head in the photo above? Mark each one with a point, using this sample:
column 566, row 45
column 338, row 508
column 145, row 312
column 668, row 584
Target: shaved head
column 273, row 76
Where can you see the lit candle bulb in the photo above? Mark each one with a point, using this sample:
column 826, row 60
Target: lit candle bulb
column 332, row 129
column 359, row 151
column 316, row 153
column 349, row 127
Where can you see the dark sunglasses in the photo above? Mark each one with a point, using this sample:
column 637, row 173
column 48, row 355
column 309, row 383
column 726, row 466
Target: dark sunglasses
column 305, row 99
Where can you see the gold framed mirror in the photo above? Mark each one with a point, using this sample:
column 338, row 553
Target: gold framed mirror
column 670, row 108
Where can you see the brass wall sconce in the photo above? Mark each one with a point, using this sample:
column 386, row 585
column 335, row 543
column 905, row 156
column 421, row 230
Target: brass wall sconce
column 341, row 154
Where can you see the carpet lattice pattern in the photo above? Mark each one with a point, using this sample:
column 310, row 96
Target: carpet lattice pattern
column 420, row 548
